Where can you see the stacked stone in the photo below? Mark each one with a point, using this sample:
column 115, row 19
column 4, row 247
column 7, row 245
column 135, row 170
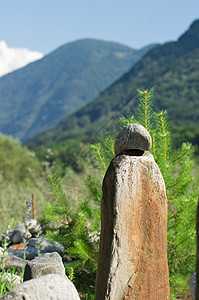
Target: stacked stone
column 133, row 243
column 16, row 248
column 21, row 230
column 44, row 278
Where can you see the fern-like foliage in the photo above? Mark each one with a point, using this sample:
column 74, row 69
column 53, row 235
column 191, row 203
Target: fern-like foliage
column 145, row 108
column 104, row 152
column 63, row 210
column 78, row 232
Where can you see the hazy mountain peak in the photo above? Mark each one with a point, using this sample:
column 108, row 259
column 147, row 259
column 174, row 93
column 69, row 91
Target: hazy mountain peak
column 172, row 68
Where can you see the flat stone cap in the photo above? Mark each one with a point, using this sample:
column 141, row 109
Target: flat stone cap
column 133, row 136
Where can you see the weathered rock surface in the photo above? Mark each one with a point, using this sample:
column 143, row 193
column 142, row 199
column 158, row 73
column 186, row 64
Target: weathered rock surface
column 133, row 244
column 15, row 261
column 20, row 230
column 47, row 245
column 50, row 286
column 49, row 263
column 133, row 136
column 31, row 253
column 12, row 260
column 17, row 246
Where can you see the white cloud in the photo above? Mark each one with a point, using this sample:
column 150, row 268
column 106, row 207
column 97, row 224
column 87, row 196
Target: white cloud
column 15, row 58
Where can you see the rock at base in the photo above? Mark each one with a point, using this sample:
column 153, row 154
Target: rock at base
column 51, row 286
column 48, row 263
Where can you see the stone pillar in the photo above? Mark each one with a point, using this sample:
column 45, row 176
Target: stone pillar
column 133, row 243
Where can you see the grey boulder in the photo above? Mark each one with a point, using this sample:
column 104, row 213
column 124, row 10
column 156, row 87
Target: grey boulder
column 47, row 287
column 23, row 229
column 47, row 245
column 31, row 253
column 14, row 261
column 49, row 263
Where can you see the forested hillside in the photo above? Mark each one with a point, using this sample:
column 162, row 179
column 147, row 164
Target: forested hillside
column 172, row 68
column 38, row 96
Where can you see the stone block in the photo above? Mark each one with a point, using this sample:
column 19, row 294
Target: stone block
column 48, row 263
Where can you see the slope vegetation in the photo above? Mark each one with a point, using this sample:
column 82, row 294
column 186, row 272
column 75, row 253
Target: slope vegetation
column 172, row 68
column 38, row 96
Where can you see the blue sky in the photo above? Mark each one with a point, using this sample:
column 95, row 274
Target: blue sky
column 44, row 25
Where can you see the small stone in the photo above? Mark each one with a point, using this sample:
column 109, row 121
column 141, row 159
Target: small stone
column 31, row 253
column 33, row 226
column 47, row 245
column 17, row 237
column 21, row 230
column 133, row 137
column 49, row 263
column 14, row 261
column 19, row 227
column 32, row 242
column 17, row 246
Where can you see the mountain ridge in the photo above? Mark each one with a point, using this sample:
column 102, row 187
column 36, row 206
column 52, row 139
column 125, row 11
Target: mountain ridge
column 39, row 95
column 173, row 68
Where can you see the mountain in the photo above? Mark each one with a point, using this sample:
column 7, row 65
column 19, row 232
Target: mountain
column 39, row 95
column 172, row 68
